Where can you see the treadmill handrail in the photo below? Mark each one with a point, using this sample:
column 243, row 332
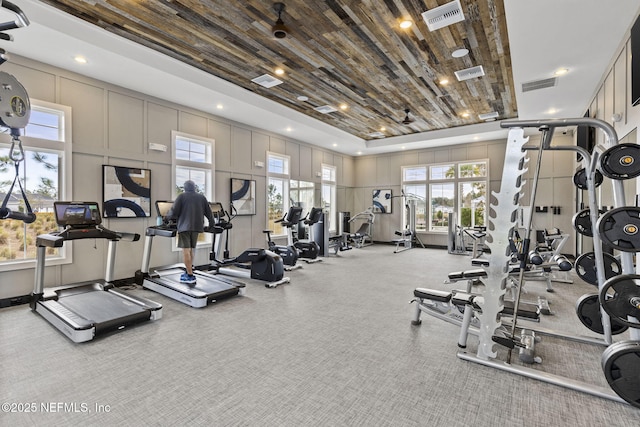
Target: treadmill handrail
column 57, row 238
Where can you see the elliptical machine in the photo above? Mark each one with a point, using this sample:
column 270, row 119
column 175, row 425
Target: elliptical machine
column 289, row 253
column 309, row 250
column 253, row 263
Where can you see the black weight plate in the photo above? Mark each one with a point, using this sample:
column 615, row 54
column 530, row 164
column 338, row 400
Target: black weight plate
column 582, row 222
column 580, row 179
column 620, row 298
column 622, row 161
column 586, row 267
column 620, row 228
column 620, row 363
column 588, row 311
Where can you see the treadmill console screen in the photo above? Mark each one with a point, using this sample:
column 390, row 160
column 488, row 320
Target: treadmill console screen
column 294, row 214
column 163, row 208
column 216, row 208
column 77, row 214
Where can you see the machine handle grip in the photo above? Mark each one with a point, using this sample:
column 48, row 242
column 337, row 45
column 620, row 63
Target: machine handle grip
column 27, row 218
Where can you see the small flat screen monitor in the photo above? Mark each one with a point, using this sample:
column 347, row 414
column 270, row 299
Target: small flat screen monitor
column 216, row 209
column 163, row 207
column 294, row 215
column 77, row 214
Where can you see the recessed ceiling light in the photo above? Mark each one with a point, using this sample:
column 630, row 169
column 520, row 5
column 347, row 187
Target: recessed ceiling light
column 475, row 138
column 303, row 98
column 382, row 129
column 561, row 71
column 219, row 106
column 552, row 111
column 359, row 152
column 444, row 81
column 80, row 59
column 459, row 53
column 279, row 71
column 343, row 106
column 406, row 24
column 403, row 147
column 465, row 114
column 288, row 129
column 335, row 145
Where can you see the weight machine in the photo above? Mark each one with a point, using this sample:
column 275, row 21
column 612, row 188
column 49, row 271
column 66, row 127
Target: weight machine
column 408, row 238
column 619, row 295
column 364, row 235
column 15, row 110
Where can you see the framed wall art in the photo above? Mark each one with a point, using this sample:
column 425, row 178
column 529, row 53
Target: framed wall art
column 126, row 192
column 382, row 201
column 243, row 196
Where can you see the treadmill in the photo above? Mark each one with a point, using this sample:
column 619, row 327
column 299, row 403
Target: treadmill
column 166, row 280
column 85, row 310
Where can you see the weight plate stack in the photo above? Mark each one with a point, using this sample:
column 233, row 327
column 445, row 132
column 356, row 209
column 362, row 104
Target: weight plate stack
column 621, row 364
column 588, row 311
column 620, row 228
column 619, row 161
column 585, row 266
column 620, row 298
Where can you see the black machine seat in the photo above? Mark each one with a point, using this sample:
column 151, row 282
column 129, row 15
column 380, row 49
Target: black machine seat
column 432, row 294
column 526, row 310
column 469, row 274
column 480, row 262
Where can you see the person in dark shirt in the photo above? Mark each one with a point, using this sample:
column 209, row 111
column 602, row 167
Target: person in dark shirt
column 190, row 208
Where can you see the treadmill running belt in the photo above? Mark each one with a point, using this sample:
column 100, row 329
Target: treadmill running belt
column 204, row 286
column 108, row 311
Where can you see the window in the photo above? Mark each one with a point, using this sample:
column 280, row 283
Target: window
column 277, row 191
column 414, row 187
column 329, row 195
column 45, row 174
column 453, row 187
column 301, row 193
column 193, row 159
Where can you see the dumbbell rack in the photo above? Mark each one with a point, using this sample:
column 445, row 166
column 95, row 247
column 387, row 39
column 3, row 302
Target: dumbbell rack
column 619, row 228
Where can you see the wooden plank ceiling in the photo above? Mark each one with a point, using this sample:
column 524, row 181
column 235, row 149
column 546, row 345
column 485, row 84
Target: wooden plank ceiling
column 350, row 52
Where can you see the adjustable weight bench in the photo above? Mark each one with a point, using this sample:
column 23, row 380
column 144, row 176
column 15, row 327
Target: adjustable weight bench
column 446, row 305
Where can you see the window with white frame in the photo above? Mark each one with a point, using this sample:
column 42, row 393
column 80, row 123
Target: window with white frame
column 193, row 159
column 452, row 187
column 301, row 193
column 329, row 195
column 45, row 174
column 278, row 178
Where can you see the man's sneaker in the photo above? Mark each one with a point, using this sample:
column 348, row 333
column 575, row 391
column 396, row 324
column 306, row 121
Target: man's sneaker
column 189, row 279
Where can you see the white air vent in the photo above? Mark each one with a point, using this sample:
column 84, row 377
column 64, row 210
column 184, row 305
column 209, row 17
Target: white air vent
column 469, row 73
column 444, row 15
column 266, row 80
column 539, row 84
column 376, row 135
column 325, row 109
column 488, row 116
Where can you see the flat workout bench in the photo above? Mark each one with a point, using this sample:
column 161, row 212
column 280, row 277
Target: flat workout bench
column 460, row 299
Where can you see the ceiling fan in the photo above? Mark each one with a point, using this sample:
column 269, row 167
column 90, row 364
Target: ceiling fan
column 407, row 120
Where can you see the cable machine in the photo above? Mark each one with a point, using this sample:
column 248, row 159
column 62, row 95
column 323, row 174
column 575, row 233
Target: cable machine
column 15, row 110
column 408, row 238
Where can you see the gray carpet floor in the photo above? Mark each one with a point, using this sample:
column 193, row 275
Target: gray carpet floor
column 335, row 347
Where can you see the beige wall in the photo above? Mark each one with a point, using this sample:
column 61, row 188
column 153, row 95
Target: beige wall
column 113, row 125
